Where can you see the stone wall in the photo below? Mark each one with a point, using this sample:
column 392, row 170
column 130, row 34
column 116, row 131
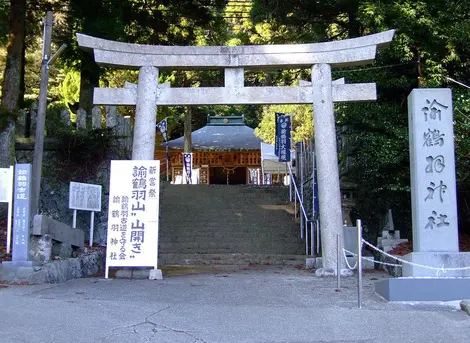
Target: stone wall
column 56, row 271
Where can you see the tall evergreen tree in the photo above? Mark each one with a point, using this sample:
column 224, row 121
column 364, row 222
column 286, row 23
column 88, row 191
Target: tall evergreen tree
column 12, row 76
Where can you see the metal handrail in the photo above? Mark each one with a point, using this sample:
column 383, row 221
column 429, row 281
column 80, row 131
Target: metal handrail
column 307, row 220
column 297, row 193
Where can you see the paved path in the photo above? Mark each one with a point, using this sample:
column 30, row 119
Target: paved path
column 256, row 305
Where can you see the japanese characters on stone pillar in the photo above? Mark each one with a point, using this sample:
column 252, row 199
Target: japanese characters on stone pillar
column 133, row 214
column 21, row 226
column 433, row 189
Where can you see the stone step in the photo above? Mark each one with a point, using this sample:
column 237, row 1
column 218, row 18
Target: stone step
column 220, row 224
column 209, row 241
column 195, row 232
column 220, row 248
column 230, row 259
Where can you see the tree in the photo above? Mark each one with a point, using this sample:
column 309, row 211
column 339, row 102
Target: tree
column 302, row 122
column 11, row 85
column 431, row 42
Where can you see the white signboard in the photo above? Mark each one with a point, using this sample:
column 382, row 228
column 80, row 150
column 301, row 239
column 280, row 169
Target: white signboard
column 133, row 214
column 6, row 195
column 6, row 184
column 85, row 196
column 433, row 189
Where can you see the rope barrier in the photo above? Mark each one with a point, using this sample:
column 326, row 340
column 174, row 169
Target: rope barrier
column 372, row 260
column 442, row 269
column 346, row 259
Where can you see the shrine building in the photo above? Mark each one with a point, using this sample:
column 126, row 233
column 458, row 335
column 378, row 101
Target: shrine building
column 225, row 151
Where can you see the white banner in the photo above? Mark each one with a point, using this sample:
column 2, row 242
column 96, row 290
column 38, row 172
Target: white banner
column 133, row 214
column 85, row 196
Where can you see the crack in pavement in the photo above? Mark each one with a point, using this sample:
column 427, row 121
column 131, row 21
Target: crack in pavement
column 156, row 328
column 166, row 328
column 197, row 339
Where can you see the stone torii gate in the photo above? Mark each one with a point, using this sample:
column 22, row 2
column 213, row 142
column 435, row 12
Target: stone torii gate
column 322, row 92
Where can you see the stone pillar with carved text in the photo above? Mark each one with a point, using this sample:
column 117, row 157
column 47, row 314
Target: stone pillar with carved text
column 433, row 186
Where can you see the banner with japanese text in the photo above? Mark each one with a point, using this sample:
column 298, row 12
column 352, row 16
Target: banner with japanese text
column 277, row 133
column 188, row 166
column 163, row 127
column 284, row 127
column 133, row 214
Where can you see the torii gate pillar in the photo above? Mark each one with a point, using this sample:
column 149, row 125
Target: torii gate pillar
column 143, row 146
column 326, row 154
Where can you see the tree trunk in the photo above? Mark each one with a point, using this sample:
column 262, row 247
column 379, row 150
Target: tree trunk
column 11, row 86
column 354, row 27
column 89, row 79
column 187, row 129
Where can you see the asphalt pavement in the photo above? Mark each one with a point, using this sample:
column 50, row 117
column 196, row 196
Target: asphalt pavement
column 253, row 304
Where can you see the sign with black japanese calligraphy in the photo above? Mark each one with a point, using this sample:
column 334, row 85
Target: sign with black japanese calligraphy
column 133, row 214
column 433, row 189
column 284, row 127
column 21, row 209
column 85, row 197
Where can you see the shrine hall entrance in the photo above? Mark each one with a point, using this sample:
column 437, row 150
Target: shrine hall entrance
column 230, row 176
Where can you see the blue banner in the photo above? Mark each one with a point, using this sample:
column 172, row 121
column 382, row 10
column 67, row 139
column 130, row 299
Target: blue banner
column 188, row 166
column 276, row 137
column 284, row 138
column 162, row 126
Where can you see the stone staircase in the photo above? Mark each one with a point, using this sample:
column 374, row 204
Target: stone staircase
column 231, row 225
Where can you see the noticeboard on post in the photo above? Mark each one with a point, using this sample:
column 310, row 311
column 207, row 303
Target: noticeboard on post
column 133, row 214
column 85, row 197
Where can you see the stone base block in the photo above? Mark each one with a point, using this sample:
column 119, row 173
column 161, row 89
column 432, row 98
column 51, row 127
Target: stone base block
column 310, row 262
column 139, row 273
column 132, row 273
column 423, row 289
column 40, row 248
column 437, row 260
column 156, row 274
column 61, row 232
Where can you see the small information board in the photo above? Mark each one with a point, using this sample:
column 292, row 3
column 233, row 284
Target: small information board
column 133, row 214
column 85, row 197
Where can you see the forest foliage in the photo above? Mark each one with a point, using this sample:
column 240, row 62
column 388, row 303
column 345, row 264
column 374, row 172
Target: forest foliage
column 431, row 48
